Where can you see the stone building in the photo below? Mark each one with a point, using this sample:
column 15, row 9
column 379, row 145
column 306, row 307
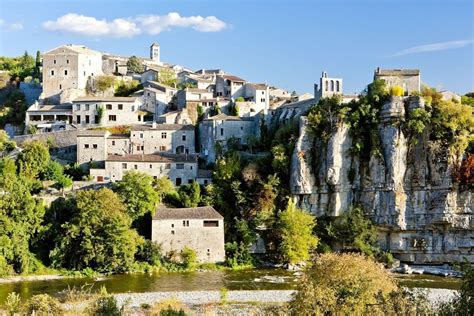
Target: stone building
column 192, row 95
column 172, row 138
column 229, row 86
column 327, row 87
column 408, row 79
column 198, row 228
column 69, row 67
column 96, row 145
column 155, row 52
column 116, row 111
column 218, row 129
column 179, row 168
column 47, row 117
column 256, row 96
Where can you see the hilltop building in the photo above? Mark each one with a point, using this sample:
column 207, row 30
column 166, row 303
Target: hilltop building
column 408, row 79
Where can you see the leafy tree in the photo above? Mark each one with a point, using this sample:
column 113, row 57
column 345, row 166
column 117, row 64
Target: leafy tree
column 6, row 144
column 297, row 237
column 167, row 77
column 125, row 89
column 33, row 159
column 418, row 119
column 20, row 218
column 53, row 171
column 104, row 82
column 149, row 252
column 97, row 235
column 134, row 65
column 190, row 194
column 468, row 99
column 345, row 284
column 38, row 65
column 239, row 99
column 64, row 181
column 16, row 105
column 463, row 302
column 164, row 187
column 137, row 193
column 189, row 257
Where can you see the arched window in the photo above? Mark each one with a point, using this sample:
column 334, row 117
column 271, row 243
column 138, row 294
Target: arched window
column 327, row 85
column 332, row 85
column 338, row 86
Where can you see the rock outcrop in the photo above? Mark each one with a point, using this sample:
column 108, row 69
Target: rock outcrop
column 408, row 190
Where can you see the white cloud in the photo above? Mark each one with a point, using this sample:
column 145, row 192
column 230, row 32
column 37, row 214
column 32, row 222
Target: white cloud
column 73, row 23
column 89, row 26
column 4, row 26
column 155, row 24
column 433, row 47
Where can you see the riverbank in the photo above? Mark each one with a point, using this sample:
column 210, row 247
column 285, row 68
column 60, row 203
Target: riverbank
column 29, row 278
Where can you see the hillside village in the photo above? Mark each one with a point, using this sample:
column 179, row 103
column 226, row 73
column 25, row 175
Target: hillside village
column 110, row 115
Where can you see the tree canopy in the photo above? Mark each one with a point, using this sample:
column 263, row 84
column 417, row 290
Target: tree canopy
column 134, row 65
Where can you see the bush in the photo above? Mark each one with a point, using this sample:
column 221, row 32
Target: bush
column 397, row 91
column 12, row 304
column 169, row 307
column 341, row 284
column 189, row 257
column 240, row 99
column 42, row 304
column 53, row 171
column 106, row 305
column 104, row 82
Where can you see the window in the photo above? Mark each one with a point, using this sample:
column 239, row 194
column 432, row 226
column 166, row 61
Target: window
column 211, row 223
column 141, row 135
column 178, row 181
column 148, row 93
column 168, row 166
column 163, row 135
column 338, row 86
column 332, row 85
column 67, row 61
column 162, row 148
column 263, row 92
column 95, row 146
column 84, row 73
column 241, row 128
column 180, row 166
column 65, row 72
column 54, row 61
column 172, row 225
column 96, row 119
column 135, row 167
column 86, row 146
column 190, row 181
column 172, row 232
column 87, row 107
column 52, row 72
column 222, row 132
column 183, row 137
column 133, row 108
column 112, row 118
column 262, row 100
column 185, row 223
column 113, row 143
column 60, row 86
column 78, row 119
column 151, row 166
column 327, row 85
column 87, row 119
column 120, row 106
column 124, row 166
column 138, row 148
column 108, row 106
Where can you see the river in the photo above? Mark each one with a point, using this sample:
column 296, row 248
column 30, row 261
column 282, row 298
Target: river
column 258, row 279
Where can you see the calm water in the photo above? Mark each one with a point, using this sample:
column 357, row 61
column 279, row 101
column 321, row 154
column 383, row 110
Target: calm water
column 214, row 280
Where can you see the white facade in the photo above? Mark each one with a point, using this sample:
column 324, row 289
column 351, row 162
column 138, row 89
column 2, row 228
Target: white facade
column 327, row 87
column 116, row 111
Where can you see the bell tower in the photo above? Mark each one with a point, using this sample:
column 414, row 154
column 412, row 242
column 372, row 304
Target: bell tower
column 155, row 52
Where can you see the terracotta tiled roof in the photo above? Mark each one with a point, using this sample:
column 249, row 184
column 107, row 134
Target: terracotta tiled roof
column 233, row 78
column 203, row 212
column 162, row 127
column 105, row 99
column 154, row 158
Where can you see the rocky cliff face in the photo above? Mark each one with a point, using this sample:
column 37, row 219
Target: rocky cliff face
column 422, row 214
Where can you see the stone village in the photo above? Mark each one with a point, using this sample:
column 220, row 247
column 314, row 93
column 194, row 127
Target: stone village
column 178, row 130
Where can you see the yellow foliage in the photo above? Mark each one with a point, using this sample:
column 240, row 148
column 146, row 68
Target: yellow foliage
column 396, row 91
column 342, row 284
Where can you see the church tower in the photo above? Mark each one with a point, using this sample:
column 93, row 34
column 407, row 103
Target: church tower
column 155, row 52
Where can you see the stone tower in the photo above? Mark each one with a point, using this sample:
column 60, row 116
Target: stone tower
column 155, row 52
column 327, row 86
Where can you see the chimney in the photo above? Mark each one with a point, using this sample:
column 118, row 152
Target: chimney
column 153, row 125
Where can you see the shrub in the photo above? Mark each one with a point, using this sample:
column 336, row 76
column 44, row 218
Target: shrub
column 341, row 284
column 106, row 305
column 240, row 99
column 53, row 171
column 104, row 82
column 42, row 304
column 396, row 91
column 169, row 307
column 12, row 304
column 188, row 257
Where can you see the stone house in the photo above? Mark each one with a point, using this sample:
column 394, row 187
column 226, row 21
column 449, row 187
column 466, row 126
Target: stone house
column 218, row 129
column 229, row 86
column 172, row 138
column 408, row 79
column 256, row 100
column 176, row 117
column 116, row 111
column 97, row 145
column 69, row 67
column 198, row 228
column 192, row 95
column 46, row 116
column 179, row 168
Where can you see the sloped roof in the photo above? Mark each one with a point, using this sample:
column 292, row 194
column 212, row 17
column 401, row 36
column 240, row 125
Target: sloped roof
column 203, row 212
column 105, row 99
column 92, row 133
column 163, row 127
column 233, row 78
column 154, row 158
column 78, row 49
column 223, row 117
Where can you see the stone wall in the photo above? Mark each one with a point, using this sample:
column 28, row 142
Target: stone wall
column 62, row 143
column 422, row 214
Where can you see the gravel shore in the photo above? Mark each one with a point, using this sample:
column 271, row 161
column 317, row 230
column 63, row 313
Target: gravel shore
column 435, row 296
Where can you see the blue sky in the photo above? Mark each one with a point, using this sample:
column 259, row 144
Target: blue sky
column 284, row 43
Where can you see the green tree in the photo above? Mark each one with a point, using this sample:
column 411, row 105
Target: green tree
column 64, row 181
column 341, row 284
column 20, row 218
column 134, row 65
column 53, row 171
column 33, row 159
column 189, row 257
column 97, row 235
column 6, row 144
column 164, row 187
column 297, row 238
column 137, row 193
column 190, row 194
column 167, row 77
column 38, row 65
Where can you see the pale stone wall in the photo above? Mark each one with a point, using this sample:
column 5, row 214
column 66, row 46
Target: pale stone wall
column 115, row 170
column 118, row 145
column 153, row 140
column 87, row 110
column 91, row 148
column 208, row 242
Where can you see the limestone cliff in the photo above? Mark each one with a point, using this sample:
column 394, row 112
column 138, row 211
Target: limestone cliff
column 423, row 215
